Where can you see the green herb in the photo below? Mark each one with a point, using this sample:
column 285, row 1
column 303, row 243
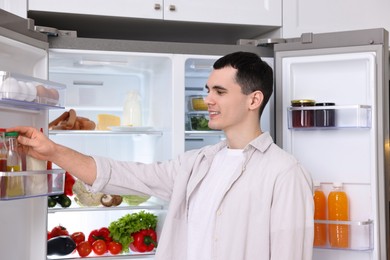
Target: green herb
column 121, row 229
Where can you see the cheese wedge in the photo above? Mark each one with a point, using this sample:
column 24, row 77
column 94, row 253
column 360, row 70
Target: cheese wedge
column 106, row 120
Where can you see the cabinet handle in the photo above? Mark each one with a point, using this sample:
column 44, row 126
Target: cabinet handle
column 172, row 7
column 157, row 7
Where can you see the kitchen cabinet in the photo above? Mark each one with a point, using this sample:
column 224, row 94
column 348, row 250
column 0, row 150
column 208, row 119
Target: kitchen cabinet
column 251, row 12
column 302, row 16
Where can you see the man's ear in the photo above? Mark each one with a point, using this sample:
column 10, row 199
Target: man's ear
column 256, row 98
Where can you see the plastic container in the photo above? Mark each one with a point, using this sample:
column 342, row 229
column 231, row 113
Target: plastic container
column 320, row 232
column 197, row 103
column 199, row 121
column 325, row 117
column 132, row 109
column 338, row 210
column 303, row 118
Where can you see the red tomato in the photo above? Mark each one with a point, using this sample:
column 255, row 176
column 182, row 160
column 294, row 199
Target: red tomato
column 78, row 237
column 59, row 231
column 49, row 235
column 84, row 248
column 114, row 247
column 99, row 247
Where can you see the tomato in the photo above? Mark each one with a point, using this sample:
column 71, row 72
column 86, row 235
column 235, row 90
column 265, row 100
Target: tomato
column 49, row 235
column 59, row 231
column 78, row 237
column 84, row 248
column 99, row 247
column 114, row 247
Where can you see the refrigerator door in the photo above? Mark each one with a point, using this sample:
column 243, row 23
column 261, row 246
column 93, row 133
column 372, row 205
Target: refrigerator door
column 23, row 221
column 349, row 69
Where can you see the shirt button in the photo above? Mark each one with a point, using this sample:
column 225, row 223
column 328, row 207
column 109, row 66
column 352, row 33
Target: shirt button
column 219, row 212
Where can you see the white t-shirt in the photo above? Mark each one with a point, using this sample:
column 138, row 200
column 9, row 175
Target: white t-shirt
column 203, row 203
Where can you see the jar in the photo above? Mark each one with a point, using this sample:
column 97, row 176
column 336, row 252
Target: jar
column 325, row 117
column 302, row 118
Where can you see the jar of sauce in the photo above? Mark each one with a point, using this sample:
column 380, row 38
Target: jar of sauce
column 302, row 118
column 325, row 117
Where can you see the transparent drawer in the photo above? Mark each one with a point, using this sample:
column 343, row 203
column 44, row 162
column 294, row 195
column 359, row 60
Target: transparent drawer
column 353, row 116
column 360, row 234
column 18, row 185
column 29, row 92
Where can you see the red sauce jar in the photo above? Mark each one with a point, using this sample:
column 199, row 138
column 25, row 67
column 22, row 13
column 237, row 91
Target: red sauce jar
column 302, row 118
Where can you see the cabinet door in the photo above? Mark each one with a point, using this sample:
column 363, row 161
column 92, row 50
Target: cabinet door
column 302, row 16
column 150, row 9
column 251, row 12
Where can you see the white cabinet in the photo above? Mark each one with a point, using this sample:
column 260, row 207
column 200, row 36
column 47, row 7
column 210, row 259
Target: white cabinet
column 246, row 12
column 301, row 16
column 18, row 7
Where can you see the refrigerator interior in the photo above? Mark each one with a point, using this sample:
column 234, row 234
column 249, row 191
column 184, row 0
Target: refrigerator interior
column 23, row 220
column 197, row 71
column 97, row 83
column 350, row 152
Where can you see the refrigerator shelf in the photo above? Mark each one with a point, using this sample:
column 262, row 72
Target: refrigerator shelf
column 351, row 116
column 204, row 133
column 75, row 208
column 27, row 184
column 131, row 255
column 360, row 234
column 104, row 132
column 29, row 92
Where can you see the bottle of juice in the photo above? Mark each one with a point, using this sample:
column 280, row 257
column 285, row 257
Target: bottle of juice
column 319, row 214
column 15, row 184
column 338, row 210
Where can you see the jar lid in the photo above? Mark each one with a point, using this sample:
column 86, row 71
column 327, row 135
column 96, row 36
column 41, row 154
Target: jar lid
column 302, row 101
column 326, row 104
column 11, row 134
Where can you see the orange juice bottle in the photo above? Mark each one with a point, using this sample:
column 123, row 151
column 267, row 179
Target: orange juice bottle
column 338, row 210
column 319, row 214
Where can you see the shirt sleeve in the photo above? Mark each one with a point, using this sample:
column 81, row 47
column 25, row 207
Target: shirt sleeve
column 292, row 223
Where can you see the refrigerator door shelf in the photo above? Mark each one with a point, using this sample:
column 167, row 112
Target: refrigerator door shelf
column 27, row 184
column 353, row 116
column 29, row 92
column 360, row 234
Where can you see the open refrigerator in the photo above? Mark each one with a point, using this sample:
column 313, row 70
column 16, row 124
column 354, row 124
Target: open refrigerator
column 93, row 77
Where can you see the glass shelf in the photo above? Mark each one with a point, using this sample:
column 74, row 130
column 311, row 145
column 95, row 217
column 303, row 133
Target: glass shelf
column 103, row 132
column 353, row 116
column 20, row 91
column 27, row 184
column 92, row 256
column 360, row 234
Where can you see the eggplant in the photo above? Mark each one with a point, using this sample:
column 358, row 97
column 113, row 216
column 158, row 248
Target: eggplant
column 61, row 245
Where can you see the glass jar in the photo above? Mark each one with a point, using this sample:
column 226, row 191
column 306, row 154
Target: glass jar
column 14, row 185
column 302, row 118
column 325, row 117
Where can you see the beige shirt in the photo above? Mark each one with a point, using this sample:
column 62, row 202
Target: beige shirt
column 266, row 212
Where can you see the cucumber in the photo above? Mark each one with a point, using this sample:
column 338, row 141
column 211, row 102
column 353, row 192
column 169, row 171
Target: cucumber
column 63, row 200
column 51, row 202
column 61, row 245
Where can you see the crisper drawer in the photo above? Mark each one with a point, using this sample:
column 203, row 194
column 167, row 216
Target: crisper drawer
column 26, row 184
column 198, row 139
column 24, row 91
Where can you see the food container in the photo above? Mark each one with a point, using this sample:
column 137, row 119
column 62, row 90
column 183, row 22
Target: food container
column 199, row 121
column 197, row 103
column 325, row 117
column 302, row 118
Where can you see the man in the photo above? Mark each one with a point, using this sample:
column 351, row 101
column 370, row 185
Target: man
column 241, row 199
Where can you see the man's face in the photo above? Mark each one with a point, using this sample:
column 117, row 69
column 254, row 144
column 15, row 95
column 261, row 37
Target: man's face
column 227, row 106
